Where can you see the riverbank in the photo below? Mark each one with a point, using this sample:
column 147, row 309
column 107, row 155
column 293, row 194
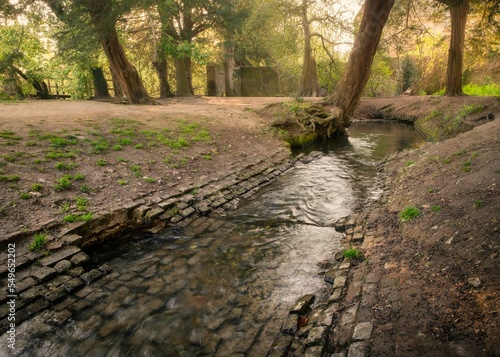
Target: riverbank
column 136, row 168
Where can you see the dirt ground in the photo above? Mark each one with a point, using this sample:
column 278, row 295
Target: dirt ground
column 56, row 153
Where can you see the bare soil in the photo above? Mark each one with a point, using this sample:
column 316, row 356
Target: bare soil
column 447, row 287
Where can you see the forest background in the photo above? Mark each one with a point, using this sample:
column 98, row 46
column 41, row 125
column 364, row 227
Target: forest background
column 53, row 46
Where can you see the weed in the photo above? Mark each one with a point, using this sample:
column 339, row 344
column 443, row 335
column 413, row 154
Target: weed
column 39, row 242
column 470, row 109
column 58, row 142
column 202, row 135
column 351, row 253
column 149, row 179
column 166, row 160
column 85, row 189
column 184, row 161
column 30, row 143
column 189, row 128
column 101, row 162
column 60, row 155
column 409, row 213
column 11, row 178
column 122, row 182
column 99, row 146
column 78, row 177
column 37, row 187
column 435, row 208
column 497, row 171
column 64, row 183
column 195, row 191
column 78, row 217
column 409, row 163
column 25, row 196
column 431, row 190
column 117, row 147
column 65, row 207
column 478, row 203
column 81, row 203
column 124, row 141
column 124, row 132
column 136, row 170
column 10, row 135
column 139, row 146
column 61, row 166
column 446, row 161
column 207, row 157
column 121, row 159
column 467, row 166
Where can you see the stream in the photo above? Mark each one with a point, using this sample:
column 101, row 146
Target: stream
column 223, row 285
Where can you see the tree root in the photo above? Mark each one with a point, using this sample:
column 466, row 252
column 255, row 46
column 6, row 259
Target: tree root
column 317, row 119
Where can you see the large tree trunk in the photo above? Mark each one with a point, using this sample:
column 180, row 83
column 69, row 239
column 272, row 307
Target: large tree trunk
column 348, row 92
column 100, row 84
column 183, row 76
column 309, row 86
column 41, row 89
column 124, row 71
column 161, row 69
column 459, row 11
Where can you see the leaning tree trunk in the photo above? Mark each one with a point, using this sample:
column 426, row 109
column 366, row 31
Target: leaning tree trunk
column 125, row 72
column 100, row 84
column 458, row 11
column 183, row 76
column 348, row 92
column 309, row 86
column 41, row 89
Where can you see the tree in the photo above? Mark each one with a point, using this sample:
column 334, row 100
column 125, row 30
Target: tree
column 348, row 92
column 102, row 16
column 459, row 10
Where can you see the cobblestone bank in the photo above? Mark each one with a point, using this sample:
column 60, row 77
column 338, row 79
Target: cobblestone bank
column 55, row 284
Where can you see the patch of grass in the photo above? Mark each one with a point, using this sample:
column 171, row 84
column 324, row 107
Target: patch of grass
column 125, row 141
column 136, row 169
column 101, row 162
column 467, row 166
column 139, row 146
column 81, row 203
column 30, row 143
column 478, row 203
column 125, row 132
column 470, row 109
column 202, row 135
column 207, row 157
column 172, row 212
column 9, row 135
column 63, row 183
column 64, row 207
column 184, row 161
column 14, row 156
column 117, row 147
column 122, row 182
column 37, row 187
column 9, row 178
column 58, row 142
column 85, row 189
column 78, row 177
column 99, row 146
column 61, row 166
column 497, row 171
column 409, row 163
column 85, row 217
column 149, row 179
column 351, row 253
column 25, row 196
column 446, row 161
column 39, row 242
column 121, row 159
column 431, row 190
column 409, row 213
column 436, row 208
column 60, row 155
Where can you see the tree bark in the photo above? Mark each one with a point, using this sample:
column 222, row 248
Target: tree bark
column 41, row 89
column 183, row 76
column 459, row 11
column 125, row 73
column 100, row 83
column 161, row 69
column 348, row 92
column 309, row 86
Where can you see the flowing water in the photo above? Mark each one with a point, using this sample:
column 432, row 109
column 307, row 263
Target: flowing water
column 224, row 285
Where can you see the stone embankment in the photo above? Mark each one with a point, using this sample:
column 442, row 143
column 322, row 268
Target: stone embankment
column 55, row 282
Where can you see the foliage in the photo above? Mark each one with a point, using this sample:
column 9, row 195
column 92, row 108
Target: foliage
column 39, row 242
column 409, row 213
column 352, row 253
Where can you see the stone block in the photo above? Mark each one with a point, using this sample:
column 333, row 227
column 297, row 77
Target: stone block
column 63, row 266
column 362, row 331
column 73, row 239
column 329, row 276
column 358, row 349
column 154, row 213
column 56, row 294
column 72, row 284
column 36, row 307
column 92, row 275
column 55, row 257
column 44, row 274
column 303, row 305
column 58, row 281
column 80, row 259
column 339, row 282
